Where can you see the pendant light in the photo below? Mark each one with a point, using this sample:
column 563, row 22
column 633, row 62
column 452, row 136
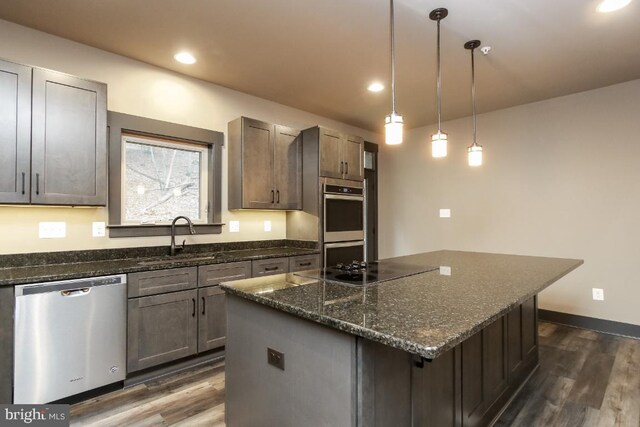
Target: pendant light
column 393, row 122
column 474, row 150
column 439, row 139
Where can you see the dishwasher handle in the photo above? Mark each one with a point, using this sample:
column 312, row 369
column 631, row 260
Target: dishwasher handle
column 75, row 292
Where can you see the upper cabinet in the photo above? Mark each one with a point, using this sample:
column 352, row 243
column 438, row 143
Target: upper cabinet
column 341, row 156
column 265, row 166
column 53, row 138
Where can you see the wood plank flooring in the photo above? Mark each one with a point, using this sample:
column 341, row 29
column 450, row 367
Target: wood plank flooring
column 585, row 378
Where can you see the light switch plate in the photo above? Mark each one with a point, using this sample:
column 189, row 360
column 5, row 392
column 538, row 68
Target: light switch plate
column 234, row 226
column 52, row 230
column 445, row 213
column 598, row 294
column 445, row 270
column 267, row 226
column 98, row 229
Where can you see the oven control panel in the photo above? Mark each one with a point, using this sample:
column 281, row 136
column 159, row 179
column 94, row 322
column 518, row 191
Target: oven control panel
column 340, row 189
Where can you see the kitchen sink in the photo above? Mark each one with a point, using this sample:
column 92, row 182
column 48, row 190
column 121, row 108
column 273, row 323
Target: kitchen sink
column 169, row 261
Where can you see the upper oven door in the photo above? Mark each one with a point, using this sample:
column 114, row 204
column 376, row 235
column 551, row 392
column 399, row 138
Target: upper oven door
column 343, row 218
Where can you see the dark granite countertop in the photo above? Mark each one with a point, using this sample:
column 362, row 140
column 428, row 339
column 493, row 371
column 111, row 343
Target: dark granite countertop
column 424, row 314
column 33, row 268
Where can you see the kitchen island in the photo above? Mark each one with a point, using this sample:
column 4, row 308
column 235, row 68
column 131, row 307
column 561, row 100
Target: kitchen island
column 446, row 347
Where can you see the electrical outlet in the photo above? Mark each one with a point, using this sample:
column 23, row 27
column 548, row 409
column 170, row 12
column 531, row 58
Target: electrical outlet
column 598, row 294
column 267, row 226
column 52, row 230
column 445, row 270
column 234, row 226
column 445, row 213
column 98, row 229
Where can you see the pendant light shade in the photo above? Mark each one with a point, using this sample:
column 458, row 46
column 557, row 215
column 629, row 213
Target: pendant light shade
column 393, row 129
column 393, row 122
column 475, row 150
column 439, row 139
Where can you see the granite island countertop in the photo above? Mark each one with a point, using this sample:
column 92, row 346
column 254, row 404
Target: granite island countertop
column 34, row 268
column 424, row 314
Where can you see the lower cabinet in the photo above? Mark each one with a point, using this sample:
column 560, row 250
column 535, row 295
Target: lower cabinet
column 212, row 325
column 161, row 328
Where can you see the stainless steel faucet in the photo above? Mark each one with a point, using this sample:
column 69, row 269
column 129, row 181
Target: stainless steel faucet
column 192, row 230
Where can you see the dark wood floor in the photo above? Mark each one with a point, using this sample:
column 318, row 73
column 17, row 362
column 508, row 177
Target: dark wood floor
column 585, row 378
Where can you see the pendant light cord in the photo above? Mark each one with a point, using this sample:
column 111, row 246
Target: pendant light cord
column 439, row 83
column 393, row 61
column 473, row 94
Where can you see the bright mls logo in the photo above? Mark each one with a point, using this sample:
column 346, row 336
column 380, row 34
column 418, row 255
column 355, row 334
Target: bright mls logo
column 34, row 415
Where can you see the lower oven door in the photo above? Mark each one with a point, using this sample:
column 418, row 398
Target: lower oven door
column 343, row 252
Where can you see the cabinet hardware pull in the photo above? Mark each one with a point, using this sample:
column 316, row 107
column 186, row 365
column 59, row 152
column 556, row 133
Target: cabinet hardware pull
column 204, row 302
column 193, row 313
column 277, row 196
column 272, row 196
column 304, row 264
column 346, row 168
column 22, row 182
column 271, row 268
column 341, row 167
column 37, row 184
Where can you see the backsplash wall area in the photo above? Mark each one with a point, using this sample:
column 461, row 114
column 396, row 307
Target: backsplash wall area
column 561, row 178
column 148, row 91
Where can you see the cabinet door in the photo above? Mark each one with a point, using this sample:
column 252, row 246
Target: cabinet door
column 212, row 326
column 161, row 328
column 15, row 133
column 267, row 267
column 353, row 156
column 331, row 164
column 6, row 344
column 257, row 164
column 288, row 168
column 69, row 140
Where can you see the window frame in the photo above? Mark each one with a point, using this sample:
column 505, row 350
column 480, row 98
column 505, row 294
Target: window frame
column 129, row 125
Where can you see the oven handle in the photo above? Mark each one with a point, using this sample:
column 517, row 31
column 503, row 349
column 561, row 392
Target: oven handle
column 344, row 245
column 343, row 197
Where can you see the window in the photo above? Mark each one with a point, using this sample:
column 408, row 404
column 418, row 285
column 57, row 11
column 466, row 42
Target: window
column 161, row 180
column 160, row 170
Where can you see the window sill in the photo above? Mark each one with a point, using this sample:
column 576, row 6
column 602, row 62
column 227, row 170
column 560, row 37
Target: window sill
column 146, row 230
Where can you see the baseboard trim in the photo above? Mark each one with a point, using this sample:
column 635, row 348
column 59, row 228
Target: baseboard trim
column 600, row 325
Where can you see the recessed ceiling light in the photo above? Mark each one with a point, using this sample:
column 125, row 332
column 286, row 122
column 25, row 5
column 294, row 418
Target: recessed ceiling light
column 185, row 58
column 375, row 87
column 612, row 5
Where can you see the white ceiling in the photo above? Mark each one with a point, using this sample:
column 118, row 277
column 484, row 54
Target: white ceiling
column 320, row 56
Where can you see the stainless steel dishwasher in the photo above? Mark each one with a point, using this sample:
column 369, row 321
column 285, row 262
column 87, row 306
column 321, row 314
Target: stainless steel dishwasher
column 70, row 337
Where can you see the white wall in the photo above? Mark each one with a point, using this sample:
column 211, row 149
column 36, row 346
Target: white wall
column 561, row 178
column 140, row 89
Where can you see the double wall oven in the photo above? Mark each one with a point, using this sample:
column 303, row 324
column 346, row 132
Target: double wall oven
column 343, row 222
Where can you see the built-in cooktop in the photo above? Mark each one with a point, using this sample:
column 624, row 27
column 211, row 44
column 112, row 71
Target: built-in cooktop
column 362, row 273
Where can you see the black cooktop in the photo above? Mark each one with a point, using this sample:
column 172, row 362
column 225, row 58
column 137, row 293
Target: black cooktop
column 362, row 273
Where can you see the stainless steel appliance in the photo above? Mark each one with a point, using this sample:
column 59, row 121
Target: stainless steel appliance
column 70, row 337
column 343, row 213
column 366, row 273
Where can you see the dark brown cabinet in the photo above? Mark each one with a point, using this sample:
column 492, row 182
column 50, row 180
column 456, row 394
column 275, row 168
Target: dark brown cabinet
column 340, row 156
column 161, row 328
column 304, row 262
column 265, row 166
column 15, row 133
column 53, row 131
column 267, row 267
column 212, row 325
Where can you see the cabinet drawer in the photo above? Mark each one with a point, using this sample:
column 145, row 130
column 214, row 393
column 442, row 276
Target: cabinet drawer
column 161, row 328
column 267, row 267
column 211, row 275
column 304, row 262
column 161, row 281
